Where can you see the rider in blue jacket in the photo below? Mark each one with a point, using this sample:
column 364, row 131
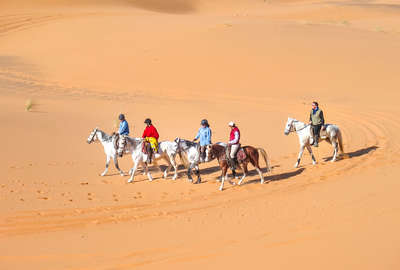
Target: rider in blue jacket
column 204, row 134
column 123, row 125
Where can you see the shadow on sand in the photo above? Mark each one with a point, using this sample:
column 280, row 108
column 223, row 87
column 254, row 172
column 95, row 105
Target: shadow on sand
column 357, row 153
column 274, row 177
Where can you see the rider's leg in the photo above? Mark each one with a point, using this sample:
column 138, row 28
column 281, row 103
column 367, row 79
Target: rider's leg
column 317, row 130
column 202, row 153
column 234, row 149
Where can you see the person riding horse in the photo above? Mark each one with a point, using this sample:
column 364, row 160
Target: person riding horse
column 123, row 131
column 204, row 134
column 316, row 121
column 123, row 125
column 233, row 145
column 151, row 136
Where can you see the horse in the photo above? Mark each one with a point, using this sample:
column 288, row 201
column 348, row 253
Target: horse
column 166, row 150
column 134, row 146
column 192, row 151
column 108, row 142
column 331, row 134
column 218, row 151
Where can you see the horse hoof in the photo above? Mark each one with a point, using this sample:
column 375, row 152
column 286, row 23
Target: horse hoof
column 130, row 181
column 296, row 165
column 221, row 188
column 103, row 174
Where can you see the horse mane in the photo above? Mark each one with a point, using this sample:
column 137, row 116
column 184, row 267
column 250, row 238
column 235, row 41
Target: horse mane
column 217, row 150
column 134, row 141
column 186, row 143
column 105, row 136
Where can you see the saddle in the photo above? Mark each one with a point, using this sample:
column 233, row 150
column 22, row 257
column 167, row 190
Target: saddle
column 240, row 156
column 323, row 134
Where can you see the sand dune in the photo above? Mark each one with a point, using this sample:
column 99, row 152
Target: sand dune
column 81, row 63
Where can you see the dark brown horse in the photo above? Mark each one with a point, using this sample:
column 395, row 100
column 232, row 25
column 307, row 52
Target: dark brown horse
column 251, row 155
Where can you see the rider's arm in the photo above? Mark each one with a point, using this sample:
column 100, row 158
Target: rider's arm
column 322, row 118
column 197, row 136
column 122, row 127
column 144, row 133
column 209, row 134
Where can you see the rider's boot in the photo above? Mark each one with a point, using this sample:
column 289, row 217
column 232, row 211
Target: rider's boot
column 234, row 163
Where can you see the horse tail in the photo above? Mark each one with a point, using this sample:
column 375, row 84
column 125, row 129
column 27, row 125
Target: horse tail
column 340, row 141
column 265, row 156
column 183, row 160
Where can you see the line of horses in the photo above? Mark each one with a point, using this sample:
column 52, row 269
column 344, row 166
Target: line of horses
column 189, row 152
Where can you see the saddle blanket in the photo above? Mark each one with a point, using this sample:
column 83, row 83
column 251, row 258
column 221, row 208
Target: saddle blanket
column 241, row 155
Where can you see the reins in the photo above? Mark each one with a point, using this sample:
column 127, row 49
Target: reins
column 298, row 129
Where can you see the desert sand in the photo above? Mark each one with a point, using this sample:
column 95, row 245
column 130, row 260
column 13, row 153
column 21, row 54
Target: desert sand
column 83, row 62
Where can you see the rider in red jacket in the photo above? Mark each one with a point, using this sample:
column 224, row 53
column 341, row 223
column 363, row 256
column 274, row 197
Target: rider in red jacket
column 150, row 134
column 150, row 131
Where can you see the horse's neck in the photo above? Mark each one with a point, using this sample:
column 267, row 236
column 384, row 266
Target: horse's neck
column 134, row 143
column 299, row 125
column 219, row 153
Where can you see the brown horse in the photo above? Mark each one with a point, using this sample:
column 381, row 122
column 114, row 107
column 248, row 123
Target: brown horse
column 251, row 155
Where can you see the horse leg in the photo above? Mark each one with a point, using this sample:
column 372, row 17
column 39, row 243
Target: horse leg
column 173, row 162
column 197, row 174
column 167, row 169
column 335, row 150
column 244, row 173
column 146, row 169
column 107, row 163
column 132, row 171
column 189, row 172
column 312, row 154
column 299, row 157
column 224, row 172
column 117, row 166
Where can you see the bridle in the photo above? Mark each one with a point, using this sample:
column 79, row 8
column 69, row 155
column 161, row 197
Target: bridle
column 293, row 129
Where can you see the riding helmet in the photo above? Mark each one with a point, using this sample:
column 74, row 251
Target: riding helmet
column 121, row 117
column 231, row 124
column 204, row 122
column 147, row 121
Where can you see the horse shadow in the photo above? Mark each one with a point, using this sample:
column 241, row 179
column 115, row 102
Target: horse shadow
column 354, row 154
column 275, row 177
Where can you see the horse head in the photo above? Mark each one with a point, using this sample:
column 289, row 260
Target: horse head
column 211, row 152
column 92, row 137
column 289, row 126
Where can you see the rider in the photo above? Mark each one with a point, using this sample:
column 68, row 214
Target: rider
column 316, row 121
column 204, row 134
column 233, row 144
column 150, row 134
column 123, row 125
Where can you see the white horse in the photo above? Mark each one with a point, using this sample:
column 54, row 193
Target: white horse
column 134, row 146
column 166, row 150
column 108, row 143
column 192, row 152
column 331, row 134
